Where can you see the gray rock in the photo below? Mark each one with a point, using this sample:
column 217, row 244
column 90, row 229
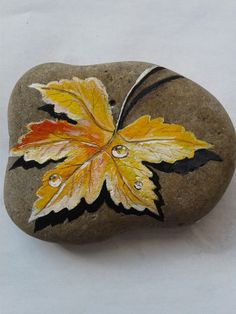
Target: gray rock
column 188, row 195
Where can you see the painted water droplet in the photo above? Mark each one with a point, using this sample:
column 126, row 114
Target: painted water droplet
column 120, row 151
column 54, row 180
column 138, row 185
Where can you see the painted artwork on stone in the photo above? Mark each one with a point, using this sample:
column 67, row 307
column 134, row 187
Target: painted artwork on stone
column 97, row 157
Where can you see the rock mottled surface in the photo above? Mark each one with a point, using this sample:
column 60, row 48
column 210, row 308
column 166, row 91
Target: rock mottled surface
column 187, row 197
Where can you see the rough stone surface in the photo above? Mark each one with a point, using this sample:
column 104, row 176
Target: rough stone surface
column 187, row 197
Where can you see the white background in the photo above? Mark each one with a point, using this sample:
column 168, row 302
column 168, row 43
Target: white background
column 185, row 271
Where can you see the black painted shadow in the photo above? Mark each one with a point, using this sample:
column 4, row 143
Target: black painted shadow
column 20, row 162
column 186, row 165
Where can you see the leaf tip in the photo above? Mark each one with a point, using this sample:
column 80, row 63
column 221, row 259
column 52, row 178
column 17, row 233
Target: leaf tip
column 36, row 86
column 15, row 151
column 33, row 216
column 12, row 151
column 206, row 145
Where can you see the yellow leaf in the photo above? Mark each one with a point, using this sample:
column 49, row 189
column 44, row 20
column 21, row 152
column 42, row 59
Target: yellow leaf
column 57, row 139
column 79, row 99
column 155, row 141
column 96, row 152
column 69, row 182
column 128, row 182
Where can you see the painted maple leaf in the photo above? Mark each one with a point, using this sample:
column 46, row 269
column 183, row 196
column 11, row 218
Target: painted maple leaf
column 96, row 151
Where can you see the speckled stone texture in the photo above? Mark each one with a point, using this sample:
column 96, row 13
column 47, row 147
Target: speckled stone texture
column 187, row 197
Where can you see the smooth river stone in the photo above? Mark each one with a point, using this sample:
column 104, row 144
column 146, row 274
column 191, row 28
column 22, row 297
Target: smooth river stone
column 187, row 197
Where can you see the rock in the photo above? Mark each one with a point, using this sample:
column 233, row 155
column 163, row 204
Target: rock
column 188, row 189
